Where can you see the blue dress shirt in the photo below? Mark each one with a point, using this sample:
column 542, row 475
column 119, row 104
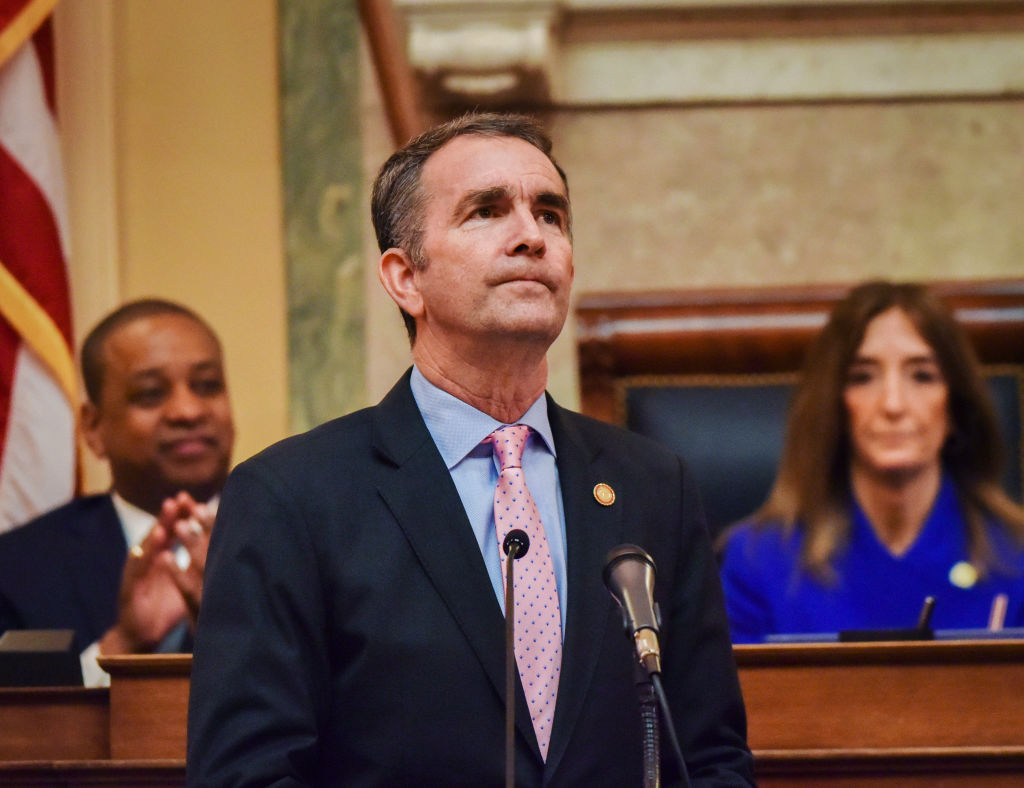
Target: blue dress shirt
column 458, row 430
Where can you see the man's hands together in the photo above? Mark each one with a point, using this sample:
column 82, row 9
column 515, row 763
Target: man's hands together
column 156, row 593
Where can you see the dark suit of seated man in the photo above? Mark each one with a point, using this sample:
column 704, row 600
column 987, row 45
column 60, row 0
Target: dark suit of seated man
column 352, row 629
column 125, row 569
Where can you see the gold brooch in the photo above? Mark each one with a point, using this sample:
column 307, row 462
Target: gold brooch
column 963, row 575
column 604, row 494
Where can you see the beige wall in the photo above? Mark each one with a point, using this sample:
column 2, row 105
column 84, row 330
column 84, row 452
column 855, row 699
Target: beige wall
column 169, row 119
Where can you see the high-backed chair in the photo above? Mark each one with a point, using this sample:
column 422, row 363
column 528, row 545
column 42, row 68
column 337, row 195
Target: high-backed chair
column 710, row 372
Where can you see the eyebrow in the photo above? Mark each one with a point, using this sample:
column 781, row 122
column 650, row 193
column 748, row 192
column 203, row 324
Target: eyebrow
column 480, row 197
column 158, row 372
column 863, row 360
column 554, row 200
column 498, row 193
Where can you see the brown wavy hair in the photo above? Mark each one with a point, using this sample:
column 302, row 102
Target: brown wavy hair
column 812, row 488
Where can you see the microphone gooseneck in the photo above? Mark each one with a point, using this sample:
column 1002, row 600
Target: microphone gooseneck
column 629, row 575
column 515, row 545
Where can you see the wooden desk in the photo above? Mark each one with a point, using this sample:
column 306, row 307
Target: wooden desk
column 886, row 714
column 881, row 714
column 130, row 735
column 148, row 705
column 54, row 723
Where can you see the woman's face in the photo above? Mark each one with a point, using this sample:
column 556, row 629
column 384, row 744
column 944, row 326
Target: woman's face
column 896, row 400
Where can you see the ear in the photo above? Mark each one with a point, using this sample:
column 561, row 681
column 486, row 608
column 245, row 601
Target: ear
column 90, row 423
column 398, row 275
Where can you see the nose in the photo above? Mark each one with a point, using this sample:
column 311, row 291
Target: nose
column 184, row 405
column 894, row 394
column 526, row 238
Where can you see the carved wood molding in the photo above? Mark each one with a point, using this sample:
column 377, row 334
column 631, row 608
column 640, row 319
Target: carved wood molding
column 624, row 52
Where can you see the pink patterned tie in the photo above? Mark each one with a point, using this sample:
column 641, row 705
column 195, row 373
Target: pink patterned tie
column 538, row 621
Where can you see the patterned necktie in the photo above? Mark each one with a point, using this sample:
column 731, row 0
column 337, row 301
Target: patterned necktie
column 538, row 619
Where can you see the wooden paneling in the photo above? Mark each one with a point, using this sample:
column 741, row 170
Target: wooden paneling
column 148, row 705
column 886, row 714
column 884, row 696
column 40, row 723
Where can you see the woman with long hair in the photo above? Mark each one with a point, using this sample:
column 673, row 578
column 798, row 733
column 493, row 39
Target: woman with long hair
column 888, row 488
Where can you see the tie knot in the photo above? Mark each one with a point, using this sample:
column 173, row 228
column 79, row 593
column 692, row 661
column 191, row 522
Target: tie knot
column 509, row 443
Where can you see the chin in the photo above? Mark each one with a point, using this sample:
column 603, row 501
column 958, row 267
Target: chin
column 901, row 471
column 203, row 483
column 544, row 326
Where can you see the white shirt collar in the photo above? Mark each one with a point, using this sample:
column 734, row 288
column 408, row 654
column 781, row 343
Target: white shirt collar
column 136, row 522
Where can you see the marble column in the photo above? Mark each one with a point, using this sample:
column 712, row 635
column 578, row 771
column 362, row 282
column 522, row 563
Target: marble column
column 320, row 141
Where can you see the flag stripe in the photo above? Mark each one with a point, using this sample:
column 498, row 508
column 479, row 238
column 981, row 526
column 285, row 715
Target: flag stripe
column 32, row 254
column 39, row 458
column 28, row 132
column 18, row 24
column 38, row 331
column 33, row 281
column 37, row 381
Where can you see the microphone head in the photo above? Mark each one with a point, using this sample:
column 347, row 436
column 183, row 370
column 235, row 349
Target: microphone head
column 629, row 575
column 518, row 538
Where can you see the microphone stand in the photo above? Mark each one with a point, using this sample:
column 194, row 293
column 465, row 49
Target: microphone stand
column 516, row 544
column 651, row 733
column 670, row 727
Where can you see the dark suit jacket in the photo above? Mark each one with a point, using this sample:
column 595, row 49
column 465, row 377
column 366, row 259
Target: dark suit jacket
column 349, row 634
column 63, row 570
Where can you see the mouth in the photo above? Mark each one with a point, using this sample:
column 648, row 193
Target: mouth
column 190, row 447
column 894, row 440
column 528, row 281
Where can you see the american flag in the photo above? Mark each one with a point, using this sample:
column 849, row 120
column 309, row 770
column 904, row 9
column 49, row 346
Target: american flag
column 38, row 391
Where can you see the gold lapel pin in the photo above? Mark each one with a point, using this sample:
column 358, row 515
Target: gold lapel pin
column 604, row 494
column 963, row 575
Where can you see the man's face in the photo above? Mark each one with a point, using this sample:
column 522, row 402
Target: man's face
column 498, row 258
column 163, row 420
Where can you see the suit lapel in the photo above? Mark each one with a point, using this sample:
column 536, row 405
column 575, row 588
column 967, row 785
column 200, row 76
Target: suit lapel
column 591, row 529
column 418, row 489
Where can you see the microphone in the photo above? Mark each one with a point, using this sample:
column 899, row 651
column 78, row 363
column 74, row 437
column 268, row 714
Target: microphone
column 517, row 539
column 629, row 575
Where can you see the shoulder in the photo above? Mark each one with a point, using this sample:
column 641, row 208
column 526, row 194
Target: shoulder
column 38, row 544
column 331, row 437
column 1007, row 544
column 85, row 510
column 354, row 437
column 761, row 544
column 314, row 454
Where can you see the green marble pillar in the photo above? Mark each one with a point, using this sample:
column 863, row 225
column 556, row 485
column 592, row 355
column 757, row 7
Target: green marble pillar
column 319, row 48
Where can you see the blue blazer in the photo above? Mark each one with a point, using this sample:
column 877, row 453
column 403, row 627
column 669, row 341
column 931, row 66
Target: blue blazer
column 349, row 634
column 63, row 570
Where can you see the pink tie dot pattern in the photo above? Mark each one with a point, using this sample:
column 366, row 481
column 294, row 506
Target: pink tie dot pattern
column 538, row 618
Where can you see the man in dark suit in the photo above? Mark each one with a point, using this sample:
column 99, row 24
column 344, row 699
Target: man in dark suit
column 352, row 629
column 125, row 569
